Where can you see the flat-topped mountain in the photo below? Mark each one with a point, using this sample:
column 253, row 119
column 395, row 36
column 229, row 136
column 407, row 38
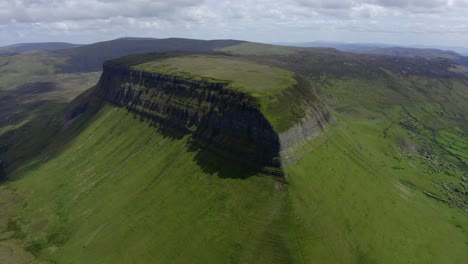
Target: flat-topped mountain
column 232, row 152
column 255, row 110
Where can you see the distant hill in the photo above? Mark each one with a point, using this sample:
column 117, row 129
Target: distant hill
column 25, row 47
column 460, row 50
column 389, row 50
column 402, row 51
column 90, row 57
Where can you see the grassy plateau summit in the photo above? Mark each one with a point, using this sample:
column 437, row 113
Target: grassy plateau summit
column 187, row 151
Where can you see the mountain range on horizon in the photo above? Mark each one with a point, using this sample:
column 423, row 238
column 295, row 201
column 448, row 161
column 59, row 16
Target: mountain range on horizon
column 343, row 46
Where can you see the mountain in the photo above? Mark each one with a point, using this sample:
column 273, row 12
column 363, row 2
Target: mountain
column 25, row 47
column 460, row 50
column 245, row 153
column 35, row 85
column 385, row 49
column 91, row 57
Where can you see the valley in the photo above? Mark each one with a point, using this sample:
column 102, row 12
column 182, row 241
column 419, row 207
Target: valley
column 234, row 152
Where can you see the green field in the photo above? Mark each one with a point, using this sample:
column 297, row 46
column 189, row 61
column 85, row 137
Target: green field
column 120, row 191
column 355, row 200
column 257, row 49
column 386, row 183
column 256, row 79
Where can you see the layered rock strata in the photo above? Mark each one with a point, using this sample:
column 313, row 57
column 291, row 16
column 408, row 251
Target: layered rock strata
column 210, row 110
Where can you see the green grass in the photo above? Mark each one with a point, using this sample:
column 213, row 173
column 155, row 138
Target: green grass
column 30, row 98
column 259, row 49
column 350, row 204
column 19, row 68
column 422, row 116
column 455, row 142
column 11, row 248
column 112, row 189
column 12, row 127
column 122, row 192
column 258, row 80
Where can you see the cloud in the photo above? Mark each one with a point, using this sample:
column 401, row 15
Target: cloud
column 260, row 20
column 346, row 8
column 30, row 11
column 55, row 10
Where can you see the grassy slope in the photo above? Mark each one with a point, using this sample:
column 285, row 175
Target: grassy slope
column 37, row 66
column 121, row 192
column 25, row 47
column 355, row 200
column 31, row 94
column 421, row 124
column 11, row 249
column 359, row 195
column 260, row 49
column 69, row 72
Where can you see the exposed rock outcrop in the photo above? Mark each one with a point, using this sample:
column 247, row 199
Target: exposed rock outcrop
column 210, row 110
column 2, row 171
column 309, row 127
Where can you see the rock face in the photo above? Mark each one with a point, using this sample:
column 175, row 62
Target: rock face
column 210, row 110
column 309, row 127
column 2, row 172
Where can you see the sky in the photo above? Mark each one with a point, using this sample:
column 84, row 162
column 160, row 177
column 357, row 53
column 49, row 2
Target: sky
column 401, row 22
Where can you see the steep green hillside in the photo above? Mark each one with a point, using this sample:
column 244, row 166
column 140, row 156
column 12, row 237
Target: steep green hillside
column 31, row 96
column 36, row 85
column 25, row 47
column 393, row 173
column 122, row 191
column 424, row 100
column 154, row 164
column 356, row 199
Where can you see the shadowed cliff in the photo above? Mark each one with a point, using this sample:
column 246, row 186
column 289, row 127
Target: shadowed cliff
column 227, row 126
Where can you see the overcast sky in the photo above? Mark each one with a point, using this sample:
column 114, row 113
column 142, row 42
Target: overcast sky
column 404, row 22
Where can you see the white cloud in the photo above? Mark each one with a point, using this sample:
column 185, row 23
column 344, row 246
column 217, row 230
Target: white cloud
column 54, row 10
column 260, row 20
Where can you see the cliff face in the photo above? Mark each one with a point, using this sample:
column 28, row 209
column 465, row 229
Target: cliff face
column 309, row 127
column 211, row 111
